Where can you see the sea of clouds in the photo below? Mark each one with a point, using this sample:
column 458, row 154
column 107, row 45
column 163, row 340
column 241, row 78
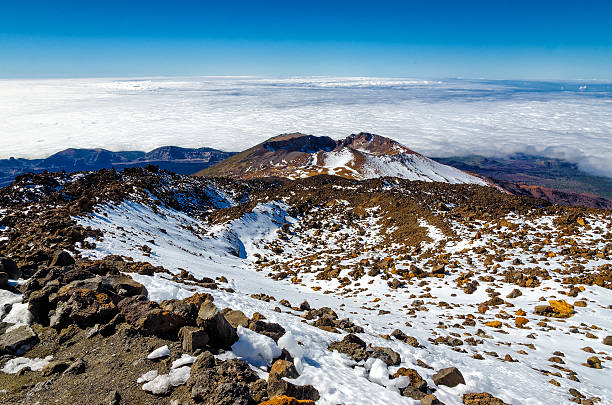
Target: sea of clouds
column 569, row 120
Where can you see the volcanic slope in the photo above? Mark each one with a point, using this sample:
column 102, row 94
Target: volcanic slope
column 380, row 291
column 360, row 156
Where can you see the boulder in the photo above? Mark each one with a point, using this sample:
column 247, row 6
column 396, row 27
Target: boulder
column 431, row 399
column 279, row 386
column 55, row 367
column 450, row 377
column 61, row 259
column 593, row 362
column 4, row 281
column 209, row 378
column 236, row 318
column 9, row 267
column 481, row 398
column 399, row 335
column 187, row 308
column 18, row 341
column 543, row 310
column 416, row 381
column 222, row 335
column 607, row 341
column 193, row 338
column 148, row 318
column 270, row 329
column 352, row 346
column 520, row 321
column 561, row 308
column 284, row 368
column 85, row 308
column 389, row 356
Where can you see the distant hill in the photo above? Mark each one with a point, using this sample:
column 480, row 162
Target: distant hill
column 173, row 158
column 358, row 156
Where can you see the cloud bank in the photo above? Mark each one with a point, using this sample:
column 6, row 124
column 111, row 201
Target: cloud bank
column 572, row 121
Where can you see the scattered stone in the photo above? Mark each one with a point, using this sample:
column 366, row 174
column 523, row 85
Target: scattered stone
column 18, row 341
column 430, row 399
column 607, row 341
column 451, row 377
column 593, row 362
column 78, row 367
column 55, row 367
column 285, row 400
column 481, row 398
column 352, row 346
column 561, row 308
column 389, row 356
column 514, row 293
column 520, row 321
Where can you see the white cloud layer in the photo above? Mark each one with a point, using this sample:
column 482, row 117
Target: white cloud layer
column 437, row 118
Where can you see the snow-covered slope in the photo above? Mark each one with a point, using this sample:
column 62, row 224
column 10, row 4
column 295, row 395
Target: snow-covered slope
column 454, row 267
column 442, row 307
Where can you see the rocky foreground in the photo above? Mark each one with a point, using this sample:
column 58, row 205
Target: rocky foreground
column 146, row 287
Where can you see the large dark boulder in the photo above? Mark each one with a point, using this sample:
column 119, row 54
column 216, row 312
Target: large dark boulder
column 9, row 267
column 451, row 377
column 222, row 335
column 149, row 319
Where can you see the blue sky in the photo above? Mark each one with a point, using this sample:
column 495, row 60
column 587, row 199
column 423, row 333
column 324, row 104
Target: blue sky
column 490, row 39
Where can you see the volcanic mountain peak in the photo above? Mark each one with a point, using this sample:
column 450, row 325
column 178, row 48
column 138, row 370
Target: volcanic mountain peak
column 359, row 156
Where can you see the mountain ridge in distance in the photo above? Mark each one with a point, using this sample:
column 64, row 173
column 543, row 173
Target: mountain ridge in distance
column 554, row 180
column 173, row 158
column 358, row 156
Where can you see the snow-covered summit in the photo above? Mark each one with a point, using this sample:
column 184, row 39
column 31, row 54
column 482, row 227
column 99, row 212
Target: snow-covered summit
column 359, row 156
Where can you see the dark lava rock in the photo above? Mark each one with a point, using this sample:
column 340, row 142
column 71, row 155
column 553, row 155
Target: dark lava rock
column 399, row 335
column 278, row 386
column 193, row 338
column 451, row 377
column 222, row 335
column 221, row 382
column 389, row 356
column 273, row 330
column 9, row 267
column 148, row 318
column 61, row 259
column 352, row 346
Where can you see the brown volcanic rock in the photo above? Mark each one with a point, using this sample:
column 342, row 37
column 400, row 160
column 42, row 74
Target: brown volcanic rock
column 481, row 398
